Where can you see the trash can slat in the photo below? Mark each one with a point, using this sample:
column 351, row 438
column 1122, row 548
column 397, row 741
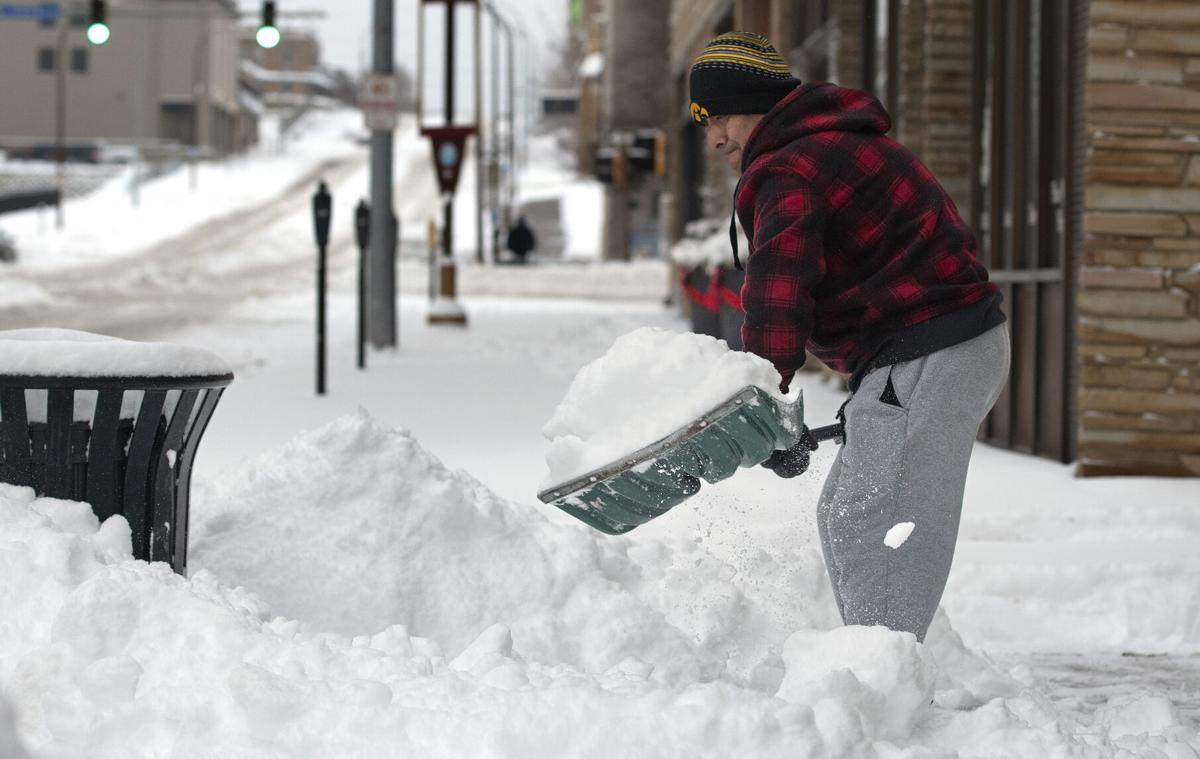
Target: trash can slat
column 103, row 454
column 60, row 408
column 15, row 464
column 183, row 477
column 164, row 506
column 139, row 472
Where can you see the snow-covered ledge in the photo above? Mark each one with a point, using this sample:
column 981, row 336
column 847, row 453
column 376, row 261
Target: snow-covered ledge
column 72, row 353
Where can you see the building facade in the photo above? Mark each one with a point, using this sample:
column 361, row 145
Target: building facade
column 1068, row 134
column 168, row 75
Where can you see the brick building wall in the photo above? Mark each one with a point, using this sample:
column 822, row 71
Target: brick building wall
column 1139, row 298
column 846, row 43
column 935, row 93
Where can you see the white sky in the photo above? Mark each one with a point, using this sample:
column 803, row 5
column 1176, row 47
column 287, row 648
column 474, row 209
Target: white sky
column 345, row 32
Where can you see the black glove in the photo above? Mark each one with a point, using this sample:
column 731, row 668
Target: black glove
column 789, row 462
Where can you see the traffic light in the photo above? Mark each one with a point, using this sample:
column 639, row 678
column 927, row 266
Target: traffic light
column 97, row 31
column 268, row 33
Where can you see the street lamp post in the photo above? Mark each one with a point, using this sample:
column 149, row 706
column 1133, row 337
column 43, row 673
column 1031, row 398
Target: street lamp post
column 60, row 114
column 199, row 96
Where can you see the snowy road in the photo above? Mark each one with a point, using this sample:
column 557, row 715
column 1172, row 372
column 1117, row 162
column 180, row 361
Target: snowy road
column 186, row 279
column 1081, row 685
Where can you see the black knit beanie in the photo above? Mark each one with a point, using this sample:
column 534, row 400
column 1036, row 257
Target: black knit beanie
column 738, row 72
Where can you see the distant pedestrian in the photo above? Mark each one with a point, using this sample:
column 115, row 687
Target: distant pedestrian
column 521, row 239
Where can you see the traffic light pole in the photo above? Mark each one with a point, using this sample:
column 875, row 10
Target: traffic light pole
column 381, row 276
column 60, row 114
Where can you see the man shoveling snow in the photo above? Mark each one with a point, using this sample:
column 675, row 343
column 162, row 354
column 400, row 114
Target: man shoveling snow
column 859, row 256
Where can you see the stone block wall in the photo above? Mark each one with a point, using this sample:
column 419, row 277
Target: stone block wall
column 846, row 43
column 944, row 103
column 1139, row 287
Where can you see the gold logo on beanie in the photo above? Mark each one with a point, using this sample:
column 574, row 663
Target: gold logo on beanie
column 699, row 113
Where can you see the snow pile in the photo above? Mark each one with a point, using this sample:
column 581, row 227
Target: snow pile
column 707, row 245
column 71, row 353
column 102, row 655
column 861, row 681
column 650, row 383
column 10, row 744
column 431, row 549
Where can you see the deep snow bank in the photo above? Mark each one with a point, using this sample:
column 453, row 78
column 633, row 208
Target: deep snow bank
column 522, row 624
column 354, row 527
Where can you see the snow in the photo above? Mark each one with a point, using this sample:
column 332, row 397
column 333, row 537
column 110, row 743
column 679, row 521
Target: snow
column 371, row 574
column 649, row 384
column 898, row 533
column 707, row 245
column 108, row 224
column 592, row 66
column 72, row 353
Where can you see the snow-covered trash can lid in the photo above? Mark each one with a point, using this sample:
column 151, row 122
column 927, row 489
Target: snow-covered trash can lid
column 52, row 352
column 641, row 426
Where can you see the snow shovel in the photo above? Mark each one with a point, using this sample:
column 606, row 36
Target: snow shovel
column 740, row 432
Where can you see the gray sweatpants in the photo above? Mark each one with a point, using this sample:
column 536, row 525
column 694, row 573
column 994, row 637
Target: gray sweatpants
column 906, row 463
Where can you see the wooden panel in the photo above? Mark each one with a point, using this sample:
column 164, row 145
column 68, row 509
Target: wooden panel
column 999, row 422
column 1052, row 380
column 1024, row 373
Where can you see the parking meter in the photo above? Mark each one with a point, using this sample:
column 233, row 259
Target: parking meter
column 322, row 211
column 362, row 224
column 362, row 233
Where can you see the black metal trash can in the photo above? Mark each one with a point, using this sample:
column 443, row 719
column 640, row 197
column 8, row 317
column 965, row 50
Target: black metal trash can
column 137, row 463
column 702, row 308
column 731, row 314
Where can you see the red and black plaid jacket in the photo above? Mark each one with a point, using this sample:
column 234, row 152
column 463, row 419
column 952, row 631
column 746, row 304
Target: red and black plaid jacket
column 856, row 252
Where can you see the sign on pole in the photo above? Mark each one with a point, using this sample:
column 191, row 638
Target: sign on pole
column 47, row 13
column 448, row 144
column 381, row 101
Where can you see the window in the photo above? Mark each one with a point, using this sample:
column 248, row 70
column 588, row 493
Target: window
column 79, row 60
column 45, row 60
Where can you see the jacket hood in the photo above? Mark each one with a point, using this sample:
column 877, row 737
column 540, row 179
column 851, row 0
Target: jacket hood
column 811, row 108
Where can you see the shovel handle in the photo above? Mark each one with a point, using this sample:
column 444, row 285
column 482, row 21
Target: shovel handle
column 829, row 432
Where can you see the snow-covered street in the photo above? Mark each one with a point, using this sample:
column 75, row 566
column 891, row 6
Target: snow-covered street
column 371, row 573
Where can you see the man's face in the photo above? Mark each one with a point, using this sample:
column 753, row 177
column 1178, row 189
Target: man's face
column 728, row 134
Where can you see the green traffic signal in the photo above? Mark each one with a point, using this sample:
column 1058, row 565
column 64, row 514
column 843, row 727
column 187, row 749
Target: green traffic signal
column 267, row 34
column 98, row 31
column 98, row 34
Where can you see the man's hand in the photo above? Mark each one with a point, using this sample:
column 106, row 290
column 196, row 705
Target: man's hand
column 790, row 462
